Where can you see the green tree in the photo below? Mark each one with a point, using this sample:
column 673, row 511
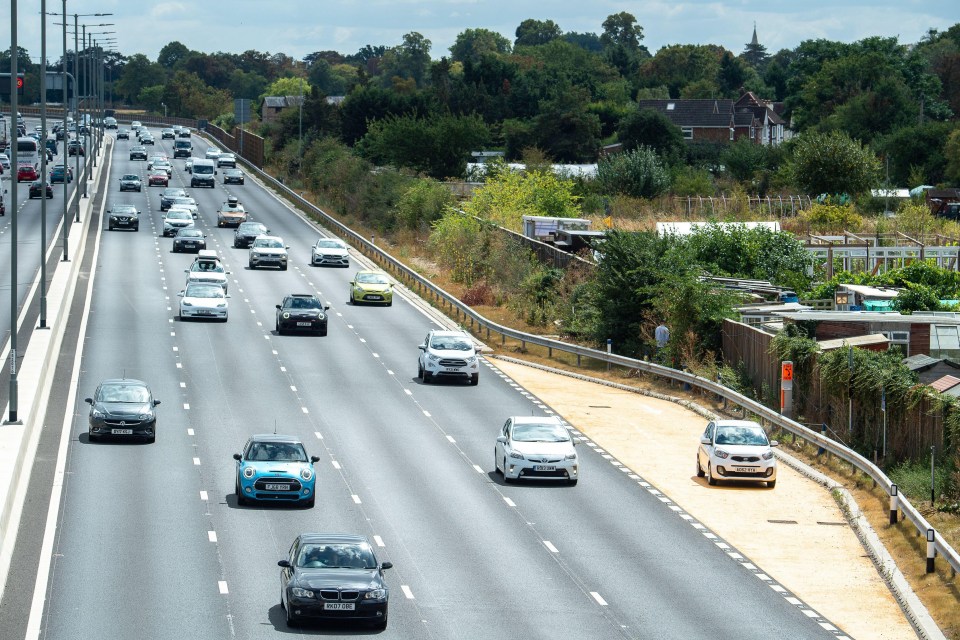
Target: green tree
column 650, row 128
column 952, row 152
column 288, row 86
column 621, row 41
column 916, row 147
column 638, row 173
column 409, row 60
column 755, row 54
column 916, row 297
column 536, row 32
column 137, row 74
column 473, row 44
column 507, row 196
column 151, row 97
column 171, row 54
column 424, row 203
column 731, row 76
column 676, row 66
column 566, row 129
column 833, row 163
column 188, row 96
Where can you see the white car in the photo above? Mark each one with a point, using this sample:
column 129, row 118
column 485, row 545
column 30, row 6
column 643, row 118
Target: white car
column 536, row 448
column 207, row 269
column 4, row 162
column 212, row 153
column 330, row 251
column 185, row 202
column 175, row 219
column 268, row 251
column 736, row 450
column 448, row 354
column 226, row 160
column 199, row 300
column 135, row 125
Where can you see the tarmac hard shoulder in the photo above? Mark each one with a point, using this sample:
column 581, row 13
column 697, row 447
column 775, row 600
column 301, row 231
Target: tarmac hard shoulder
column 795, row 533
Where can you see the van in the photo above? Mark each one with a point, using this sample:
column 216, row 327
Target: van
column 182, row 148
column 202, row 173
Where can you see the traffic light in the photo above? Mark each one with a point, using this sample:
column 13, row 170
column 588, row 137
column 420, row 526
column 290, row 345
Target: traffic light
column 5, row 84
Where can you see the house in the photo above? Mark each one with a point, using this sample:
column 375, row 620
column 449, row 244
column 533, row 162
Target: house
column 857, row 297
column 272, row 106
column 723, row 120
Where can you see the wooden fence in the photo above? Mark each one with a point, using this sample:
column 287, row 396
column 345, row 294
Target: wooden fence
column 245, row 144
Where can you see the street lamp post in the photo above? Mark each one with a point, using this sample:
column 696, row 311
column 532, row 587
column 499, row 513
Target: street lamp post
column 43, row 164
column 12, row 418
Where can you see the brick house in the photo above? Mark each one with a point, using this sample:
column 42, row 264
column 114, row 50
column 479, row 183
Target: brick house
column 723, row 120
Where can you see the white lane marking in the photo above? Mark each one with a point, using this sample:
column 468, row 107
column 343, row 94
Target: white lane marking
column 212, row 536
column 406, row 591
column 203, row 496
column 222, row 585
column 763, row 577
column 318, row 434
column 598, row 598
column 304, row 409
column 549, row 545
column 450, row 438
column 356, row 498
column 190, row 432
column 426, row 413
column 379, row 541
column 186, row 406
column 794, row 601
column 778, row 588
column 176, row 348
column 810, row 613
column 196, row 462
column 510, row 503
column 183, row 385
column 349, row 326
column 179, row 366
column 284, row 369
column 477, row 467
column 408, row 392
column 293, row 388
column 389, row 373
column 362, row 340
column 336, row 465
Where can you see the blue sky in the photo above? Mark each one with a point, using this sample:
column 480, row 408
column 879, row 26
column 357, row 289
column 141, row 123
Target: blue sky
column 299, row 27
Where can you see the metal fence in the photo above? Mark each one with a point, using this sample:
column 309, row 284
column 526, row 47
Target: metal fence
column 478, row 324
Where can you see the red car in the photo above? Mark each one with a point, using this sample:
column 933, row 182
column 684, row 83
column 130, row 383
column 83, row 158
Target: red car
column 158, row 179
column 27, row 173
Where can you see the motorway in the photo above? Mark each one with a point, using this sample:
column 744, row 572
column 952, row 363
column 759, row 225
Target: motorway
column 150, row 541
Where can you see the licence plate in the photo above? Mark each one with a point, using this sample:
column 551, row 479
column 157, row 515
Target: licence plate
column 544, row 467
column 745, row 469
column 304, row 324
column 451, row 370
column 338, row 606
column 204, row 312
column 122, row 432
column 374, row 297
column 277, row 487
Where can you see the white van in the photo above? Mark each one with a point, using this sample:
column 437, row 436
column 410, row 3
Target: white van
column 202, row 173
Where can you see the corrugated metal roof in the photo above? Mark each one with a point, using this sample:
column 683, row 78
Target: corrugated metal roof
column 884, row 293
column 920, row 361
column 855, row 341
column 865, row 316
column 944, row 383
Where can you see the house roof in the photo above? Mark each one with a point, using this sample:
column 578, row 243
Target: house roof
column 944, row 383
column 855, row 341
column 886, row 317
column 276, row 102
column 878, row 293
column 920, row 361
column 693, row 113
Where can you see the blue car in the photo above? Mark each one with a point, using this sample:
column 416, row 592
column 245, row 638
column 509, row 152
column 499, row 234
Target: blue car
column 275, row 468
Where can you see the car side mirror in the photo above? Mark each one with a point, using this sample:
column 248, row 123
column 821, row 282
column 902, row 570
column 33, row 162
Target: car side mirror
column 88, row 400
column 314, row 458
column 704, row 440
column 326, row 308
column 285, row 564
column 277, row 306
column 185, row 271
column 386, row 565
column 774, row 443
column 287, row 248
column 228, row 272
column 422, row 347
column 180, row 295
column 502, row 439
column 156, row 402
column 227, row 296
column 237, row 456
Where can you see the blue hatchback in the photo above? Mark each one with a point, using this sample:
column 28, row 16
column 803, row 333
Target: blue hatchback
column 275, row 468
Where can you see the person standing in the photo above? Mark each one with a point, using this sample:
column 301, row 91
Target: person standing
column 662, row 335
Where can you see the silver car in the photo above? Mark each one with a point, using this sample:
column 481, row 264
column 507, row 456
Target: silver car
column 130, row 182
column 268, row 251
column 330, row 251
column 176, row 219
column 536, row 448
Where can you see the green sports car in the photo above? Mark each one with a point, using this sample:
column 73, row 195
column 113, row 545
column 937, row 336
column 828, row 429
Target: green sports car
column 371, row 286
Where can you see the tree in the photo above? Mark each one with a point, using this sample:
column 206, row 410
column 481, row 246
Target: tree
column 286, row 87
column 507, row 196
column 832, row 163
column 621, row 30
column 137, row 74
column 565, row 129
column 171, row 54
column 916, row 297
column 755, row 54
column 731, row 76
column 638, row 173
column 677, row 66
column 952, row 152
column 188, row 96
column 918, row 147
column 409, row 60
column 650, row 128
column 473, row 44
column 536, row 32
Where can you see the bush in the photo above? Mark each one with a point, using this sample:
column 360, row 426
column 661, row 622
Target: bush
column 913, row 480
column 691, row 181
column 830, row 218
column 638, row 173
column 423, row 203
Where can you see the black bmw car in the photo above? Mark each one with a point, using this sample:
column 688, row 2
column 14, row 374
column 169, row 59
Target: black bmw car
column 333, row 577
column 189, row 240
column 138, row 153
column 123, row 407
column 302, row 312
column 247, row 232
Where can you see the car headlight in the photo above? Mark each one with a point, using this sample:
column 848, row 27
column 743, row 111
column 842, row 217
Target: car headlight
column 375, row 594
column 768, row 455
column 472, row 360
column 285, row 315
column 306, row 473
column 432, row 358
column 720, row 453
column 96, row 413
column 301, row 593
column 142, row 416
column 571, row 456
column 249, row 472
column 187, row 304
column 516, row 454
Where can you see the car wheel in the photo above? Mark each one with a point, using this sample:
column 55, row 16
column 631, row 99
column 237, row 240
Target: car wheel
column 771, row 484
column 572, row 483
column 699, row 469
column 710, row 479
column 390, row 304
column 420, row 371
column 496, row 467
column 310, row 503
column 241, row 500
column 136, row 228
column 291, row 621
column 283, row 267
column 250, row 264
column 474, row 379
column 426, row 377
column 92, row 438
column 175, row 249
column 322, row 332
column 381, row 625
column 110, row 227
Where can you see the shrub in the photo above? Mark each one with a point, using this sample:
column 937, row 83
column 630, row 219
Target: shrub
column 832, row 218
column 423, row 203
column 639, row 173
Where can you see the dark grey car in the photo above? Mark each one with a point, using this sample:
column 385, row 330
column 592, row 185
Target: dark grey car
column 130, row 182
column 124, row 408
column 123, row 216
column 247, row 232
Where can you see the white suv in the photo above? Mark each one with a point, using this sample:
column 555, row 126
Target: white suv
column 736, row 450
column 448, row 354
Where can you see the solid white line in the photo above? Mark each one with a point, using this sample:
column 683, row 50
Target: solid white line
column 304, row 409
column 190, row 432
column 389, row 373
column 549, row 545
column 203, row 496
column 510, row 503
column 196, row 462
column 336, row 465
column 356, row 498
column 378, row 540
column 376, row 355
column 600, row 600
column 283, row 369
column 212, row 536
column 292, row 388
column 450, row 438
column 222, row 584
column 362, row 340
column 406, row 591
column 318, row 434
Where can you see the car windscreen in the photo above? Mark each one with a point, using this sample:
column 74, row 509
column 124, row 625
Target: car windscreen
column 204, row 291
column 329, row 244
column 255, row 228
column 448, row 343
column 176, row 214
column 276, row 452
column 302, row 303
column 189, row 233
column 202, row 169
column 336, row 556
column 123, row 393
column 207, row 266
column 268, row 244
column 540, row 432
column 741, row 435
column 372, row 278
column 129, row 176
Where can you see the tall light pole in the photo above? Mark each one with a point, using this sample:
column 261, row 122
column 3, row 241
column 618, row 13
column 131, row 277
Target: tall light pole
column 300, row 142
column 12, row 418
column 76, row 72
column 66, row 139
column 43, row 165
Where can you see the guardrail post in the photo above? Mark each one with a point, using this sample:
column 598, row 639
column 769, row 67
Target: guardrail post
column 894, row 504
column 578, row 359
column 823, row 432
column 931, row 549
column 549, row 352
column 609, row 350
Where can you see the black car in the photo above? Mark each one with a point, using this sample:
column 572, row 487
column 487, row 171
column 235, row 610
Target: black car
column 147, row 140
column 232, row 176
column 138, row 153
column 168, row 195
column 75, row 148
column 123, row 216
column 333, row 577
column 123, row 407
column 189, row 240
column 302, row 312
column 36, row 188
column 247, row 232
column 123, row 134
column 167, row 134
